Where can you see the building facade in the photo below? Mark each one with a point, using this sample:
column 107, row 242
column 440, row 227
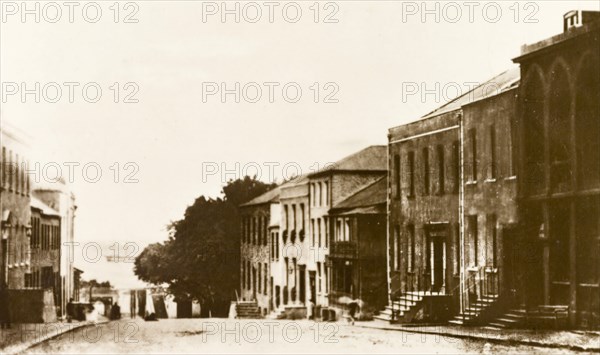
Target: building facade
column 328, row 187
column 559, row 163
column 45, row 244
column 16, row 215
column 59, row 197
column 358, row 249
column 260, row 223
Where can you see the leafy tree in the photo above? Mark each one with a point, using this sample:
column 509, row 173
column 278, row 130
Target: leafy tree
column 200, row 260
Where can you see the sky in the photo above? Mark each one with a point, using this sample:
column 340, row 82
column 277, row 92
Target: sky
column 315, row 81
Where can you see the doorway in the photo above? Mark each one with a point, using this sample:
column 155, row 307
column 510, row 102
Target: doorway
column 312, row 276
column 302, row 288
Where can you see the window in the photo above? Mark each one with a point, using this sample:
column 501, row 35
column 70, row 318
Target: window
column 456, row 166
column 492, row 167
column 473, row 141
column 326, row 226
column 319, row 276
column 457, row 255
column 266, row 279
column 319, row 230
column 326, row 186
column 10, row 173
column 473, row 240
column 441, row 170
column 410, row 231
column 312, row 194
column 320, row 194
column 492, row 238
column 302, row 216
column 285, row 209
column 511, row 164
column 396, row 248
column 411, row 174
column 426, row 181
column 397, row 175
column 312, row 234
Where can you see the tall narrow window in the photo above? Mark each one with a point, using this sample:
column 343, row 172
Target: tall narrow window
column 411, row 247
column 457, row 254
column 326, row 226
column 473, row 239
column 4, row 166
column 473, row 141
column 411, row 174
column 312, row 194
column 492, row 238
column 441, row 170
column 317, row 195
column 492, row 168
column 312, row 232
column 426, row 180
column 320, row 194
column 287, row 225
column 326, row 193
column 319, row 230
column 456, row 166
column 396, row 249
column 397, row 176
column 302, row 216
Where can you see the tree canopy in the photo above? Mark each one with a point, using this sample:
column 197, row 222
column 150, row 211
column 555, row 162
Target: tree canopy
column 200, row 259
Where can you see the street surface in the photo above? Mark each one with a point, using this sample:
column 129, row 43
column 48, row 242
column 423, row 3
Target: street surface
column 261, row 336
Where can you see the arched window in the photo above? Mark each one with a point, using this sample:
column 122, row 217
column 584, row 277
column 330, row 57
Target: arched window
column 559, row 130
column 533, row 118
column 587, row 122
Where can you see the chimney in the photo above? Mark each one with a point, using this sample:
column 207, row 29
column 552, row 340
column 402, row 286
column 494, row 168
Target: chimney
column 577, row 18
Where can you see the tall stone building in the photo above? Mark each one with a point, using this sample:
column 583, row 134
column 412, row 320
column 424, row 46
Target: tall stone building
column 16, row 215
column 559, row 169
column 59, row 197
column 493, row 198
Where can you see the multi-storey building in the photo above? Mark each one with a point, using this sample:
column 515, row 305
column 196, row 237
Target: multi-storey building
column 293, row 249
column 559, row 170
column 59, row 197
column 493, row 197
column 358, row 249
column 327, row 187
column 16, row 215
column 260, row 223
column 45, row 244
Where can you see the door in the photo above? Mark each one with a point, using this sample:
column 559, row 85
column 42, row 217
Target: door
column 302, row 288
column 437, row 261
column 509, row 282
column 254, row 283
column 313, row 286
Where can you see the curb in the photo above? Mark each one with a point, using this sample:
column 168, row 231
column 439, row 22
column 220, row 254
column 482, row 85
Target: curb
column 19, row 348
column 490, row 340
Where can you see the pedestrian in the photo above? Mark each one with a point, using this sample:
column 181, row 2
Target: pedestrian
column 353, row 307
column 4, row 307
column 115, row 312
column 311, row 309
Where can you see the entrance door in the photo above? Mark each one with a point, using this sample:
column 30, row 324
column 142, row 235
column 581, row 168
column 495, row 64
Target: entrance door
column 437, row 246
column 313, row 286
column 509, row 282
column 254, row 282
column 302, row 284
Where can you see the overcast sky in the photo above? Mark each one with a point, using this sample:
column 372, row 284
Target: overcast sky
column 369, row 56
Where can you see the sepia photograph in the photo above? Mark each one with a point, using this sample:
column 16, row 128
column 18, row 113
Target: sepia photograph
column 299, row 177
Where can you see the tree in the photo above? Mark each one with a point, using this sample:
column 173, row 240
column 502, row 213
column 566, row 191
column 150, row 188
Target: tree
column 200, row 260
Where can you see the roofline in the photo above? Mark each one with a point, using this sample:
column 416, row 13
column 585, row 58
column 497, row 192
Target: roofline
column 325, row 172
column 364, row 188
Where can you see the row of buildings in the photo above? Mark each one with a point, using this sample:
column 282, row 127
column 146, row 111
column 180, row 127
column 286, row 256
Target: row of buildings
column 37, row 276
column 484, row 211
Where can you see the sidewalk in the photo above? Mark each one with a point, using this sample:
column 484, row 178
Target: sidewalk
column 566, row 339
column 23, row 336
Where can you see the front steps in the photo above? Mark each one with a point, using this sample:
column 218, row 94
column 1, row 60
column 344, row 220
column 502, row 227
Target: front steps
column 404, row 308
column 471, row 315
column 247, row 310
column 541, row 317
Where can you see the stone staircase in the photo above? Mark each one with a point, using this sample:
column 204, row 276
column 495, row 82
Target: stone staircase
column 541, row 317
column 471, row 315
column 403, row 307
column 247, row 310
